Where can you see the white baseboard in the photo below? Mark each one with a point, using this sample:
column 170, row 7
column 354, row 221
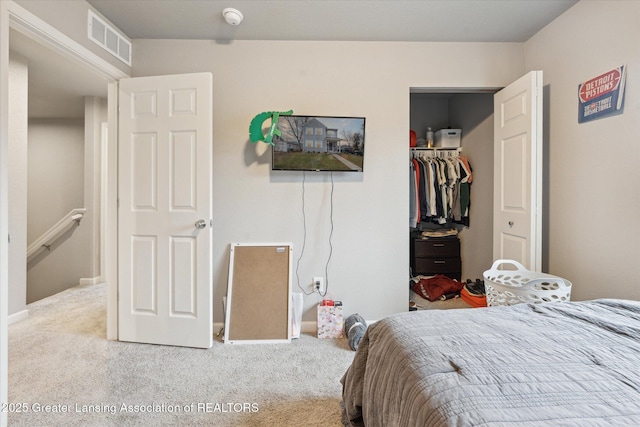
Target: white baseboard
column 16, row 317
column 309, row 326
column 90, row 280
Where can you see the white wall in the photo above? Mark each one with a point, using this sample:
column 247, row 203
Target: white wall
column 95, row 114
column 473, row 113
column 18, row 125
column 70, row 17
column 4, row 206
column 56, row 175
column 593, row 229
column 428, row 110
column 369, row 268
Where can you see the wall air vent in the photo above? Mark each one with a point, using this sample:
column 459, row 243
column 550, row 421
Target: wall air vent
column 107, row 37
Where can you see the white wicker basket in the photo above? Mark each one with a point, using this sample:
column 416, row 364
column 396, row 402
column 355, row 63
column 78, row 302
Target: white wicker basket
column 509, row 287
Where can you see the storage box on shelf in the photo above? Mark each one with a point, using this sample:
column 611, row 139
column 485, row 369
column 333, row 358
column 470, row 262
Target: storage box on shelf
column 448, row 138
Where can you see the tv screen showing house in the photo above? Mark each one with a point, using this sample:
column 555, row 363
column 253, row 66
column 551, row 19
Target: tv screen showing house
column 319, row 143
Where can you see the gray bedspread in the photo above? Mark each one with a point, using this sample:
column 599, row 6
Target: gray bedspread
column 554, row 364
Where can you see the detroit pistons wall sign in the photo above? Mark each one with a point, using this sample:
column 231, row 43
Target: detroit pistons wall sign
column 602, row 96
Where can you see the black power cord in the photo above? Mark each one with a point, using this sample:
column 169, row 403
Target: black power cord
column 326, row 266
column 304, row 240
column 304, row 237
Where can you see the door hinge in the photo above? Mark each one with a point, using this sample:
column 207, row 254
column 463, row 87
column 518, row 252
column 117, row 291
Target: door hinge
column 211, row 223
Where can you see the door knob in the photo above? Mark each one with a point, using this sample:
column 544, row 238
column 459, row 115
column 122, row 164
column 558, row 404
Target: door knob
column 201, row 223
column 510, row 223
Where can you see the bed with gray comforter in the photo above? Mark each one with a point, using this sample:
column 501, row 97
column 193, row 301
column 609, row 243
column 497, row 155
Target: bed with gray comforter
column 552, row 364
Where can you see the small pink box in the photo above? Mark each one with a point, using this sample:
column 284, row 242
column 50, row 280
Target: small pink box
column 330, row 322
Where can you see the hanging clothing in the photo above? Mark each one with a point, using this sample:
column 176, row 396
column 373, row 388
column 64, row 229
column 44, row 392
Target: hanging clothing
column 440, row 189
column 417, row 188
column 465, row 191
column 422, row 190
column 413, row 196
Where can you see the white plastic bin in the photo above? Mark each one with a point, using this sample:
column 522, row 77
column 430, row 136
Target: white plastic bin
column 448, row 138
column 519, row 285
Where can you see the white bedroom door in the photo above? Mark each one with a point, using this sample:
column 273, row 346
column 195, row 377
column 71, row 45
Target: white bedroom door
column 517, row 201
column 164, row 210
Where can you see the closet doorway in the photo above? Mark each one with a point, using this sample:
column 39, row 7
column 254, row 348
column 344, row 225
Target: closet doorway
column 507, row 169
column 472, row 113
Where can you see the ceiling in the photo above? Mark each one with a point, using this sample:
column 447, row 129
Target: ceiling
column 346, row 20
column 57, row 85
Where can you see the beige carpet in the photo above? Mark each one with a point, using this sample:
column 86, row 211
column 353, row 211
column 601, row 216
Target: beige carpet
column 425, row 304
column 59, row 357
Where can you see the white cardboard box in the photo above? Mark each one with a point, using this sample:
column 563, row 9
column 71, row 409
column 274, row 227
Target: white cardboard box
column 448, row 138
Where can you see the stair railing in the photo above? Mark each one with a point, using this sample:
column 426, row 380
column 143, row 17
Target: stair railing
column 54, row 233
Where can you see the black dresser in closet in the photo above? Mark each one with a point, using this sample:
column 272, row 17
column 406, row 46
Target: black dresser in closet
column 436, row 255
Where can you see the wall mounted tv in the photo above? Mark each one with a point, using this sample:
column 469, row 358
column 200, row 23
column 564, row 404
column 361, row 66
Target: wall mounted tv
column 319, row 143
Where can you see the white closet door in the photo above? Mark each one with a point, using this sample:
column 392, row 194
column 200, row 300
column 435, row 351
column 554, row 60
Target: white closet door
column 517, row 211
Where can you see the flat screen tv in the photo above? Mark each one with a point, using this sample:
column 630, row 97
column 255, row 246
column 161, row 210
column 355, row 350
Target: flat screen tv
column 319, row 143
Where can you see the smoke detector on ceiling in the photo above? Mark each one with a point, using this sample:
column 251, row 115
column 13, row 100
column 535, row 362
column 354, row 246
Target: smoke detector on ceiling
column 232, row 16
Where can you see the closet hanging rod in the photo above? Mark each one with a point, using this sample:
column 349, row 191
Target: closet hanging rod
column 434, row 152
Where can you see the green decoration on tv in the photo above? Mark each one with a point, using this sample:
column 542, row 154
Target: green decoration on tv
column 255, row 128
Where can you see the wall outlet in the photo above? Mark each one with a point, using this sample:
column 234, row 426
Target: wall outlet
column 318, row 284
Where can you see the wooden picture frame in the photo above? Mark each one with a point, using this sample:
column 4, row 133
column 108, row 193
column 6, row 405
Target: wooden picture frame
column 259, row 293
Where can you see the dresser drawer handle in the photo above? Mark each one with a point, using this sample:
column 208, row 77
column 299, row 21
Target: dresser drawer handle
column 438, row 245
column 439, row 262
